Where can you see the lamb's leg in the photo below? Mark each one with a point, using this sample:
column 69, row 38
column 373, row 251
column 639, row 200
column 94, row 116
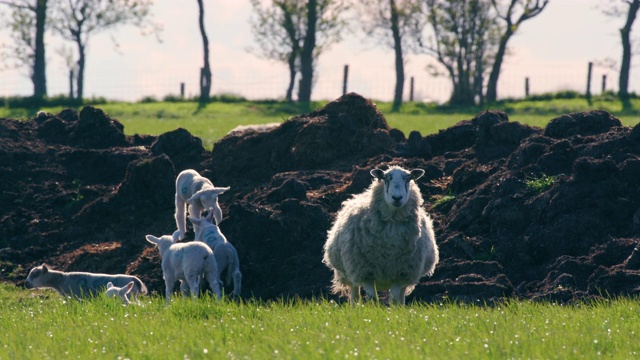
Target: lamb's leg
column 169, row 284
column 181, row 214
column 397, row 294
column 194, row 285
column 184, row 288
column 370, row 289
column 237, row 283
column 195, row 211
column 354, row 295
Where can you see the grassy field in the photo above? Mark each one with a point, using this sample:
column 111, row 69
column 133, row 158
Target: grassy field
column 40, row 325
column 214, row 120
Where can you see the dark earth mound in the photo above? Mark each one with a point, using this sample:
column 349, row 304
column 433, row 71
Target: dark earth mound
column 78, row 194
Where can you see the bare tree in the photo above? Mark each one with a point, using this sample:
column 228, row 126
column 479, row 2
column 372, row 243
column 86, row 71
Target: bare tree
column 205, row 71
column 464, row 42
column 297, row 32
column 513, row 13
column 629, row 10
column 28, row 25
column 397, row 24
column 78, row 20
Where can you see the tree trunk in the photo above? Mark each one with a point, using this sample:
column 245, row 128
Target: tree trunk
column 306, row 55
column 80, row 77
column 492, row 84
column 205, row 73
column 397, row 45
column 39, row 77
column 292, row 76
column 625, row 67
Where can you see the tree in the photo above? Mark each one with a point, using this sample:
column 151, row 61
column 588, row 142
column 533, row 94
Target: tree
column 28, row 24
column 397, row 24
column 205, row 72
column 78, row 20
column 464, row 41
column 526, row 9
column 629, row 9
column 297, row 32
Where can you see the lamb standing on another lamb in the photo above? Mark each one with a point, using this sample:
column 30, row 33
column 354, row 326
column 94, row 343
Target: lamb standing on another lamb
column 80, row 284
column 382, row 238
column 224, row 252
column 186, row 262
column 200, row 194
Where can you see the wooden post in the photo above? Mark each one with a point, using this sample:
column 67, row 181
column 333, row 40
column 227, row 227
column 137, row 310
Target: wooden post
column 345, row 77
column 526, row 87
column 588, row 95
column 411, row 90
column 604, row 82
column 182, row 90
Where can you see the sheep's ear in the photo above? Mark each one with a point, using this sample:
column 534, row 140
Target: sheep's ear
column 45, row 268
column 195, row 221
column 152, row 239
column 109, row 285
column 194, row 197
column 129, row 286
column 220, row 190
column 209, row 216
column 416, row 174
column 377, row 173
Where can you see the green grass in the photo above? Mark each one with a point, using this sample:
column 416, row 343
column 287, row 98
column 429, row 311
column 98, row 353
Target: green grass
column 540, row 184
column 41, row 325
column 216, row 119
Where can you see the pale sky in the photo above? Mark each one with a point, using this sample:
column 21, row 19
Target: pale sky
column 553, row 50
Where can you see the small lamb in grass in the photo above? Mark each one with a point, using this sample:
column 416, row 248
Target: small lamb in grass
column 81, row 284
column 121, row 292
column 225, row 254
column 200, row 194
column 382, row 238
column 186, row 262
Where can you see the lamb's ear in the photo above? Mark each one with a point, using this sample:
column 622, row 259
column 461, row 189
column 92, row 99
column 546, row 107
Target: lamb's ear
column 45, row 268
column 220, row 190
column 377, row 173
column 109, row 285
column 129, row 286
column 194, row 197
column 195, row 221
column 152, row 239
column 209, row 216
column 416, row 174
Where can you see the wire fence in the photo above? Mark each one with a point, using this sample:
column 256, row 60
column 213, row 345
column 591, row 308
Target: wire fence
column 371, row 82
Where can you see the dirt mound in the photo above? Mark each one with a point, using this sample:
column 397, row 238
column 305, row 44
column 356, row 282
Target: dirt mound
column 523, row 212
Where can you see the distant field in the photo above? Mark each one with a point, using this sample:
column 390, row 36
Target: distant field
column 213, row 121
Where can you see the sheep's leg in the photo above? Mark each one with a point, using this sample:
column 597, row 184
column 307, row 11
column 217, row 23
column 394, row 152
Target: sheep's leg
column 217, row 214
column 397, row 294
column 195, row 211
column 215, row 287
column 354, row 295
column 184, row 288
column 370, row 289
column 237, row 283
column 169, row 284
column 194, row 285
column 181, row 214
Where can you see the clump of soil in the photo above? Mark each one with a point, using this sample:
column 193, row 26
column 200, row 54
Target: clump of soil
column 519, row 211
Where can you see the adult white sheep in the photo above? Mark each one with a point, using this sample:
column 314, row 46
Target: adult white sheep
column 200, row 194
column 186, row 262
column 80, row 284
column 119, row 292
column 224, row 252
column 382, row 239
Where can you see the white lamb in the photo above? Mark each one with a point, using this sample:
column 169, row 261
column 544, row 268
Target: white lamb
column 382, row 239
column 224, row 252
column 200, row 194
column 119, row 292
column 186, row 262
column 80, row 284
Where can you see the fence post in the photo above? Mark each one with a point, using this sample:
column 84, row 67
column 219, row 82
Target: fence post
column 411, row 90
column 604, row 82
column 182, row 90
column 526, row 87
column 345, row 77
column 588, row 95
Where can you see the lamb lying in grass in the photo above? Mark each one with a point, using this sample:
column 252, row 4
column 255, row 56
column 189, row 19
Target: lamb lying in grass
column 119, row 292
column 81, row 284
column 382, row 238
column 200, row 194
column 225, row 254
column 186, row 262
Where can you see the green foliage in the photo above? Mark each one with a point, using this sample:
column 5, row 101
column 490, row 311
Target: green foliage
column 541, row 183
column 40, row 324
column 442, row 200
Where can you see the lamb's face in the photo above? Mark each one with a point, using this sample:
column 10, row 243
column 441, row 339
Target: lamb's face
column 35, row 277
column 396, row 184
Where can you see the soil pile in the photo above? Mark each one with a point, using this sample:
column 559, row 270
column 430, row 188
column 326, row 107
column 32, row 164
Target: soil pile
column 549, row 213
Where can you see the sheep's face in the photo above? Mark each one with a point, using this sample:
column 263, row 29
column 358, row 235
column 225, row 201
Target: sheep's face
column 208, row 198
column 396, row 184
column 35, row 277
